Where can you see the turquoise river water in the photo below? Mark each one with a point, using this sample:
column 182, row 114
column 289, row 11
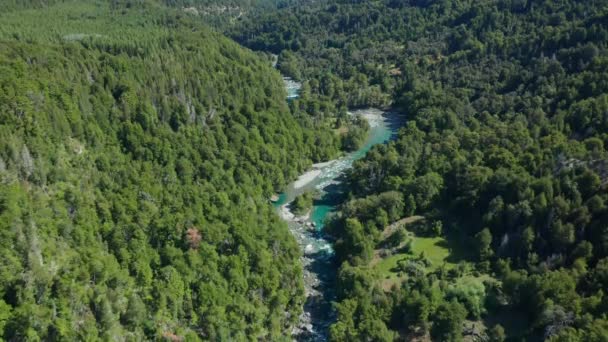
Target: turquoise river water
column 325, row 178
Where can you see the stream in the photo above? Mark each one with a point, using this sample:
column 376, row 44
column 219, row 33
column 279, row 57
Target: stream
column 318, row 266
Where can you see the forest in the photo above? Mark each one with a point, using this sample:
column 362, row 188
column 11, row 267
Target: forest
column 486, row 218
column 139, row 145
column 138, row 151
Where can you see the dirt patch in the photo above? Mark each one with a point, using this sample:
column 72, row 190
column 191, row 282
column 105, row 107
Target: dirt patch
column 390, row 229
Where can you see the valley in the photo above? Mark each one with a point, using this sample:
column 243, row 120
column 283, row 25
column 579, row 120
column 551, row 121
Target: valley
column 257, row 170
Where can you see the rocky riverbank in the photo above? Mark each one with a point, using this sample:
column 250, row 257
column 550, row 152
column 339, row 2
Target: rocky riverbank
column 317, row 253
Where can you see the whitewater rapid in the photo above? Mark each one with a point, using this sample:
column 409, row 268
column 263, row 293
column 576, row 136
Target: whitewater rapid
column 324, row 179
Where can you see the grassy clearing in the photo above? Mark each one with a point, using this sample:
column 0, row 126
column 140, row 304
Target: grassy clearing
column 433, row 248
column 387, row 268
column 399, row 259
column 436, row 251
column 415, row 251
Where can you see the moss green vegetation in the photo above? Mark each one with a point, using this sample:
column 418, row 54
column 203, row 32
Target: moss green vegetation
column 136, row 152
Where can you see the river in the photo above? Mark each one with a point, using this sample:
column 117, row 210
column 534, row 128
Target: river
column 317, row 260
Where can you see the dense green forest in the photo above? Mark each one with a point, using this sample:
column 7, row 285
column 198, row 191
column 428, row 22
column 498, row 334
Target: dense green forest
column 137, row 153
column 487, row 216
column 139, row 147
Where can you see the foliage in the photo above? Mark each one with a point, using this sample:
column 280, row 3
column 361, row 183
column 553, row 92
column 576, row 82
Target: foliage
column 137, row 151
column 302, row 204
column 145, row 159
column 506, row 143
column 447, row 323
column 496, row 334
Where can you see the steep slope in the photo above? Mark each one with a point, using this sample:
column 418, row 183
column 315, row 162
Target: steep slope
column 137, row 150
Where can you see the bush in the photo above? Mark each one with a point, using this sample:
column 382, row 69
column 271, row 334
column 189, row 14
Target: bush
column 302, row 204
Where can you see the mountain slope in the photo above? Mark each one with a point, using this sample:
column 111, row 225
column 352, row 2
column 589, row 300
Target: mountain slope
column 137, row 151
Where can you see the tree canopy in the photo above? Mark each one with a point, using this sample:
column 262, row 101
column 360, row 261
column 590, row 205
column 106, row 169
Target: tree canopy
column 505, row 145
column 137, row 153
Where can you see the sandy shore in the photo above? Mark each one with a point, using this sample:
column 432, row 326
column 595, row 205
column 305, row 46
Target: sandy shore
column 306, row 178
column 372, row 115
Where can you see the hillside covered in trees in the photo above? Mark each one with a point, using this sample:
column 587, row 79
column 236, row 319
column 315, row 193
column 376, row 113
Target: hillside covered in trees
column 487, row 217
column 138, row 150
column 137, row 153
